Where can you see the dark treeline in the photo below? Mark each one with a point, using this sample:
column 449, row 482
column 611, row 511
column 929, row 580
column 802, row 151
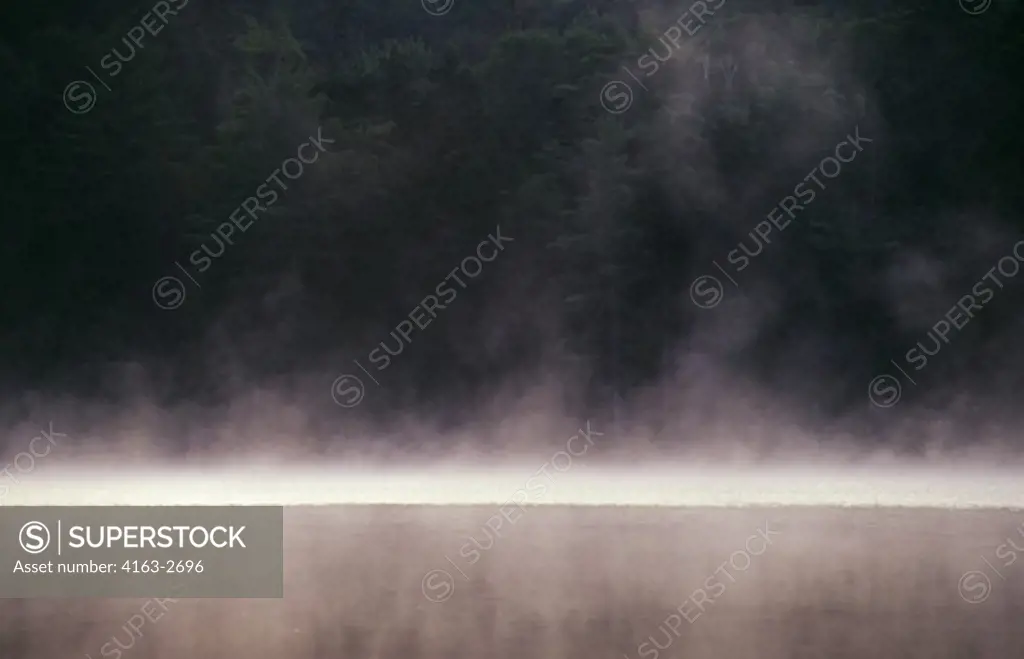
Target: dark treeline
column 445, row 127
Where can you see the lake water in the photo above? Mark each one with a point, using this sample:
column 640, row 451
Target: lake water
column 572, row 582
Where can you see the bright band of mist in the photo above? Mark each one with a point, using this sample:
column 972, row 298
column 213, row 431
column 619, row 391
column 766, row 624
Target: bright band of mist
column 580, row 486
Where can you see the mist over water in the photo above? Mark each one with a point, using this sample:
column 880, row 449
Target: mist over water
column 692, row 405
column 533, row 531
column 574, row 541
column 551, row 483
column 580, row 539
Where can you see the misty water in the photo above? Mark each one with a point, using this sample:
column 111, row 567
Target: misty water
column 402, row 582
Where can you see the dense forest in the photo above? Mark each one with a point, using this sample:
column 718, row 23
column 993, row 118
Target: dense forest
column 204, row 196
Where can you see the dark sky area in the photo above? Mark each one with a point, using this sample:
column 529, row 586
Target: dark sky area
column 332, row 219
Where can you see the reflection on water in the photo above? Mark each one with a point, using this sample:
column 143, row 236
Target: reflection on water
column 410, row 582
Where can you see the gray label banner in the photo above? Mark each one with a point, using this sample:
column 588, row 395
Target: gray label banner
column 142, row 551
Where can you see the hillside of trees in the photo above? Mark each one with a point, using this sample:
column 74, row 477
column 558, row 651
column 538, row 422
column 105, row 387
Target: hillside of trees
column 445, row 121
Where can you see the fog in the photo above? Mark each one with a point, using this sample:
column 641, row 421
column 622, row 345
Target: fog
column 593, row 452
column 562, row 480
column 614, row 542
column 390, row 552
